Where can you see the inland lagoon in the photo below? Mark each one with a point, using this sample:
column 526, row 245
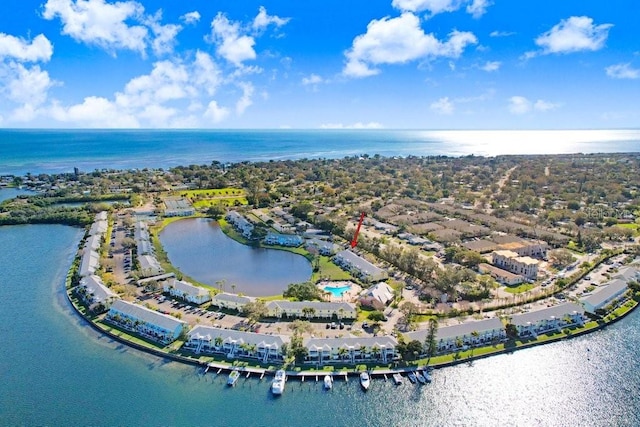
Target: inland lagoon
column 201, row 250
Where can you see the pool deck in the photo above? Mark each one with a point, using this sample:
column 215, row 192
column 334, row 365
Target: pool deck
column 349, row 295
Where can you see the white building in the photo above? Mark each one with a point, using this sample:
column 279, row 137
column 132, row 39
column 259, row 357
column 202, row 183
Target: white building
column 359, row 266
column 149, row 266
column 380, row 291
column 94, row 291
column 234, row 344
column 605, row 295
column 549, row 319
column 316, row 309
column 186, row 291
column 148, row 323
column 511, row 261
column 240, row 223
column 230, row 301
column 469, row 334
column 351, row 349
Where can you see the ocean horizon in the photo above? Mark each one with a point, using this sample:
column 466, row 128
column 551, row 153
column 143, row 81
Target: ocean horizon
column 61, row 150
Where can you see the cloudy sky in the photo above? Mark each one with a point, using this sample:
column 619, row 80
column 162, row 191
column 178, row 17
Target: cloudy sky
column 405, row 64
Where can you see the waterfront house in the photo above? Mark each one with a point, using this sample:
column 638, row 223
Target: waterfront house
column 240, row 224
column 178, row 206
column 511, row 261
column 359, row 266
column 148, row 323
column 230, row 301
column 605, row 295
column 351, row 349
column 89, row 263
column 324, row 247
column 380, row 292
column 468, row 334
column 186, row 291
column 291, row 240
column 313, row 309
column 93, row 291
column 502, row 276
column 234, row 344
column 142, row 238
column 550, row 319
column 149, row 266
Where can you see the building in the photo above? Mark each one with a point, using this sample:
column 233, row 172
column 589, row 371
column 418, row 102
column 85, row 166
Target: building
column 511, row 261
column 523, row 247
column 145, row 322
column 89, row 263
column 605, row 295
column 234, row 344
column 311, row 309
column 142, row 238
column 291, row 240
column 549, row 319
column 186, row 291
column 381, row 292
column 359, row 267
column 469, row 334
column 324, row 247
column 93, row 291
column 351, row 349
column 149, row 266
column 502, row 276
column 230, row 301
column 240, row 224
column 90, row 260
column 178, row 206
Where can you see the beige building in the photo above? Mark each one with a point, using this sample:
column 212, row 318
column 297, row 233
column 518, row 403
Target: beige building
column 511, row 261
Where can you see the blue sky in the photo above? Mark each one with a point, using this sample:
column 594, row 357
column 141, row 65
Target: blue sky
column 403, row 64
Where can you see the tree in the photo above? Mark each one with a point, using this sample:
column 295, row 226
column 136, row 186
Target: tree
column 431, row 345
column 308, row 312
column 561, row 257
column 255, row 310
column 377, row 316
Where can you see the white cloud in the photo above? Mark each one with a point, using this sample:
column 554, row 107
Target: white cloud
column 623, row 71
column 215, row 113
column 39, row 49
column 165, row 35
column 26, row 88
column 521, row 105
column 245, row 100
column 357, row 125
column 501, row 33
column 490, row 66
column 442, row 106
column 95, row 112
column 476, row 8
column 399, row 40
column 312, row 79
column 99, row 23
column 263, row 20
column 191, row 17
column 206, row 73
column 578, row 33
column 231, row 44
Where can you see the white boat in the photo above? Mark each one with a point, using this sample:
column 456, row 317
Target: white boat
column 420, row 378
column 328, row 382
column 233, row 377
column 427, row 375
column 412, row 377
column 397, row 378
column 277, row 386
column 365, row 381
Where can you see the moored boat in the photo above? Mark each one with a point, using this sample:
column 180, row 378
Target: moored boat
column 277, row 386
column 397, row 378
column 328, row 382
column 420, row 378
column 427, row 375
column 412, row 377
column 365, row 381
column 233, row 377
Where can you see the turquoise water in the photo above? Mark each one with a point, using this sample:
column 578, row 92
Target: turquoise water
column 57, row 371
column 337, row 291
column 49, row 151
column 198, row 248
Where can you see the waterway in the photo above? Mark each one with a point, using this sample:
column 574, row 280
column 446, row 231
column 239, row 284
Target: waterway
column 200, row 249
column 55, row 370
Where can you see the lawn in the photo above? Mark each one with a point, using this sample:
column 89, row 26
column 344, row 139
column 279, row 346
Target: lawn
column 520, row 288
column 211, row 197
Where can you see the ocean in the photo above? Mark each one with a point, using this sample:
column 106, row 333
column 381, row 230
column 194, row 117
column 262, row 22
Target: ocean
column 55, row 151
column 55, row 370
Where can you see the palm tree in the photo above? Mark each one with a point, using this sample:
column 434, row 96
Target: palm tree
column 218, row 342
column 376, row 351
column 342, row 352
column 233, row 288
column 308, row 312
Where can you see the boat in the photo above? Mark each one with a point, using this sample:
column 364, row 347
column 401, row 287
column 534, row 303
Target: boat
column 397, row 378
column 277, row 386
column 328, row 382
column 420, row 378
column 427, row 375
column 412, row 377
column 233, row 377
column 365, row 381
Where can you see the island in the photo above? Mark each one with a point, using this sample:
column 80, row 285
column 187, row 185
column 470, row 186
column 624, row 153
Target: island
column 415, row 262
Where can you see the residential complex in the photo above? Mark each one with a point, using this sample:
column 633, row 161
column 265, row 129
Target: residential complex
column 144, row 321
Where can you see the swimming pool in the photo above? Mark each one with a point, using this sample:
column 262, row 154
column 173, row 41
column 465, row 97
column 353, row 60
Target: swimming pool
column 337, row 291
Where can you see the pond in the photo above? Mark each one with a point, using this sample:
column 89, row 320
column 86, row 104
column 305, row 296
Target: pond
column 200, row 249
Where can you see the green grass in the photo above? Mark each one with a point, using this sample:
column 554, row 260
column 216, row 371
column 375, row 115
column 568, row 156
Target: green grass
column 328, row 270
column 211, row 197
column 520, row 288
